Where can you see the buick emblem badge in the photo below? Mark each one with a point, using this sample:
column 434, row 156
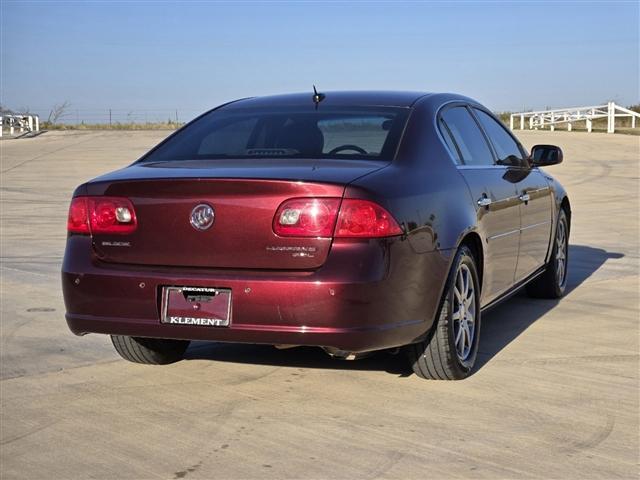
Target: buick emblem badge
column 202, row 216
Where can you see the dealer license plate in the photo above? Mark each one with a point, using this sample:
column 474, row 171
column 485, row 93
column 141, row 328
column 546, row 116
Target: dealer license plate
column 200, row 306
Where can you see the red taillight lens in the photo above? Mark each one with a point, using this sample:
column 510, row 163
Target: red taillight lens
column 111, row 215
column 326, row 217
column 78, row 220
column 101, row 215
column 306, row 217
column 362, row 218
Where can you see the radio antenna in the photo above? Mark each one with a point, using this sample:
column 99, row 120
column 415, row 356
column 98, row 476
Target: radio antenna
column 317, row 97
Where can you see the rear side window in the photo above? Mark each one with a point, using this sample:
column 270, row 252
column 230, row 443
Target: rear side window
column 506, row 147
column 468, row 137
column 449, row 141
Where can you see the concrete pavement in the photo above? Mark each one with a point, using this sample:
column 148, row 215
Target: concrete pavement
column 555, row 395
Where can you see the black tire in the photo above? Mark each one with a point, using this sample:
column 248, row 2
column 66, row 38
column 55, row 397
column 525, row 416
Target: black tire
column 438, row 356
column 150, row 351
column 549, row 284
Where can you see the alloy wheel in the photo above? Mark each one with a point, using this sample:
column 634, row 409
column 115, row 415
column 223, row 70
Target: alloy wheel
column 561, row 252
column 464, row 312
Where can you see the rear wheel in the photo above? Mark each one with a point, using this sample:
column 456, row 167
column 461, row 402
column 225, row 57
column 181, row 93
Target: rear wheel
column 553, row 282
column 150, row 351
column 450, row 351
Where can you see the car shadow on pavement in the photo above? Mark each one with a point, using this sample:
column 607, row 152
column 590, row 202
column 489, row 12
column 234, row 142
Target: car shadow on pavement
column 298, row 357
column 506, row 322
column 500, row 326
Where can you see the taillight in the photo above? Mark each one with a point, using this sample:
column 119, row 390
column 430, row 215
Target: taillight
column 326, row 217
column 362, row 218
column 78, row 220
column 106, row 215
column 306, row 217
column 111, row 215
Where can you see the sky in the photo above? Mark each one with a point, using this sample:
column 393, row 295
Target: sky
column 148, row 59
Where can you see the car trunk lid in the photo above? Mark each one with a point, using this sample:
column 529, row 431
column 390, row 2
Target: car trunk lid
column 244, row 198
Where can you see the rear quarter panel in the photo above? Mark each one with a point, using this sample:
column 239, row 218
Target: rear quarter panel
column 424, row 192
column 422, row 187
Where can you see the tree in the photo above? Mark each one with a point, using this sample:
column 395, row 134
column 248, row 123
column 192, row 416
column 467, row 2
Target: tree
column 58, row 112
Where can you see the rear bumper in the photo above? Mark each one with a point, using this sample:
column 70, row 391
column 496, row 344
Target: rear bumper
column 354, row 339
column 369, row 295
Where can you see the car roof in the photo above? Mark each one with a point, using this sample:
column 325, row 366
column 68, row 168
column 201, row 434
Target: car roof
column 339, row 98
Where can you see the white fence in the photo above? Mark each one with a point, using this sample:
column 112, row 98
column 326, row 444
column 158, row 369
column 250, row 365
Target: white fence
column 568, row 116
column 19, row 123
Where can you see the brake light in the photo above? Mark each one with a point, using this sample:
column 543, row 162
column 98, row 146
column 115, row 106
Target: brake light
column 306, row 217
column 106, row 215
column 78, row 220
column 365, row 219
column 326, row 217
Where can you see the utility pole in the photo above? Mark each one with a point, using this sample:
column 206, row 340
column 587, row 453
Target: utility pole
column 109, row 117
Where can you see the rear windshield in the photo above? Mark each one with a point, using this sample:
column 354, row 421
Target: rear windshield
column 300, row 132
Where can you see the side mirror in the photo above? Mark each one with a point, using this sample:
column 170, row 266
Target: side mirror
column 545, row 155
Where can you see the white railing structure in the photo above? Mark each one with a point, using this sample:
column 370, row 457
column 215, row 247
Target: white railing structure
column 21, row 123
column 568, row 116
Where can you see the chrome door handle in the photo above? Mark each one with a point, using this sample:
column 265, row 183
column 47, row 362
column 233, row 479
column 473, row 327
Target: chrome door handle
column 524, row 197
column 484, row 202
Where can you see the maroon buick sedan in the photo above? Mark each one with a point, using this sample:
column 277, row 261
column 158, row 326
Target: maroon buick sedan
column 352, row 221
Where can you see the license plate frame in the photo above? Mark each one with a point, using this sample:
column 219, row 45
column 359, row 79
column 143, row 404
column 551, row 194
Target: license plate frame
column 196, row 306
